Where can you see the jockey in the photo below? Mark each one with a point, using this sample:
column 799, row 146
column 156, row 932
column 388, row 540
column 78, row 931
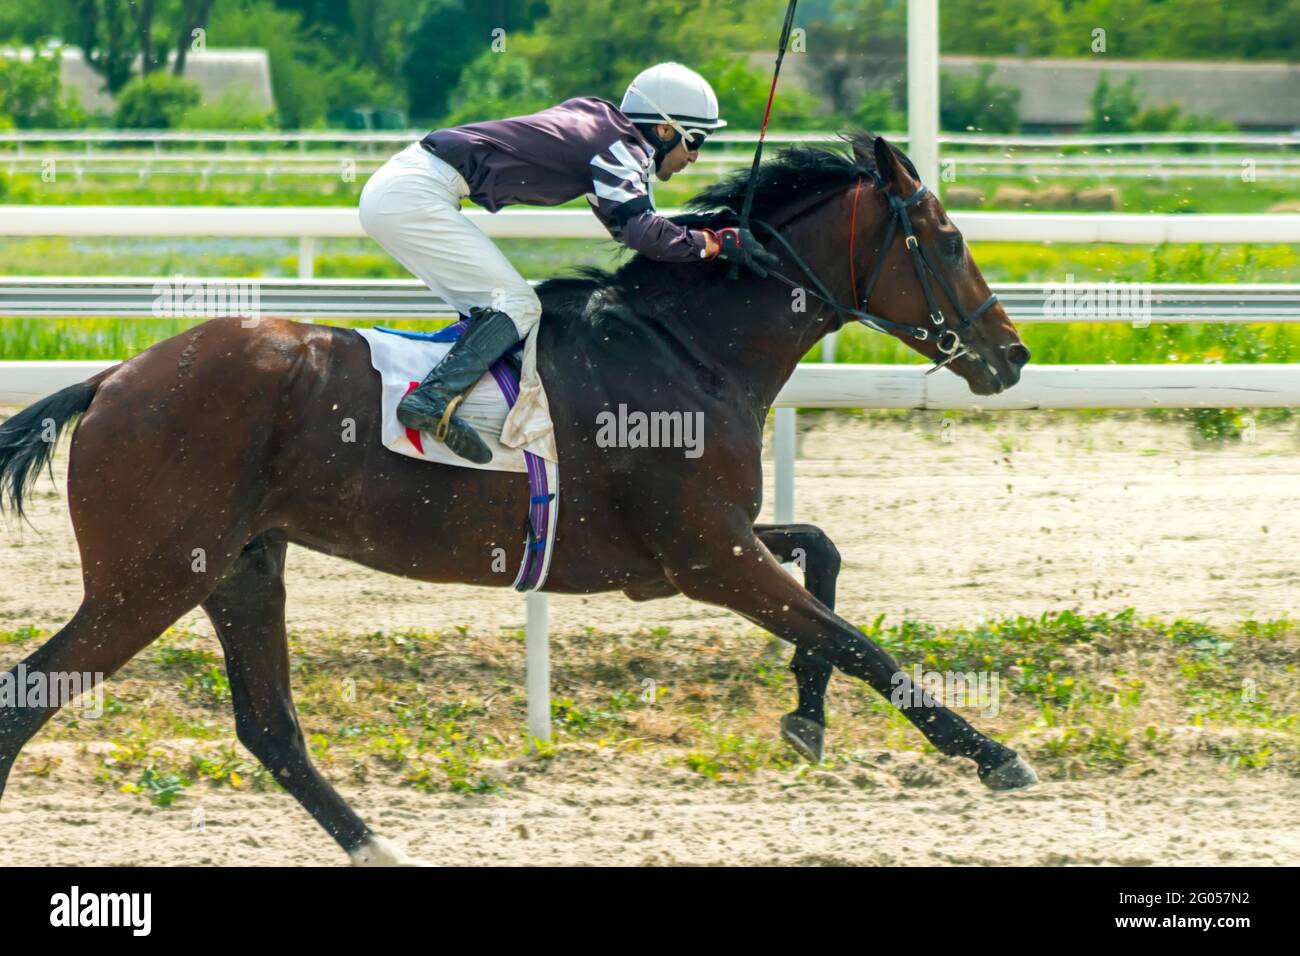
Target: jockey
column 583, row 146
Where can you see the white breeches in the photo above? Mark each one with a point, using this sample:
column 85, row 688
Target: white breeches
column 411, row 207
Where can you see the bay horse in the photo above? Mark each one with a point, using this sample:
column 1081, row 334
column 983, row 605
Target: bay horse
column 229, row 439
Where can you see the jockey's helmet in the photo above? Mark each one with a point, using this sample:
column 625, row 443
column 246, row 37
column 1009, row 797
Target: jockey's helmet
column 673, row 94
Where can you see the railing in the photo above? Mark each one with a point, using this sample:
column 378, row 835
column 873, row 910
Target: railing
column 308, row 223
column 409, row 299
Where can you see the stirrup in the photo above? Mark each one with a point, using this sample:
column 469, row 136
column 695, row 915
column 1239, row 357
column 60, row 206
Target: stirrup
column 444, row 423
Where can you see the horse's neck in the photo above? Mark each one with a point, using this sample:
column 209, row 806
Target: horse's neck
column 764, row 334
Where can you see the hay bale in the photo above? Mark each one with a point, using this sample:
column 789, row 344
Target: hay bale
column 1013, row 196
column 1054, row 197
column 1099, row 197
column 963, row 197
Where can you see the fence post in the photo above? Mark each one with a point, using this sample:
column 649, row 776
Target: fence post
column 539, row 667
column 306, row 257
column 783, row 452
column 828, row 345
column 923, row 89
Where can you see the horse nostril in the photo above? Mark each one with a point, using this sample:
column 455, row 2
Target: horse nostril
column 1018, row 355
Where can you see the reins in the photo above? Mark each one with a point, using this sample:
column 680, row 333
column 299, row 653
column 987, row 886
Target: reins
column 947, row 340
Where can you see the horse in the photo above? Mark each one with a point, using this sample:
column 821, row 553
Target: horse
column 229, row 439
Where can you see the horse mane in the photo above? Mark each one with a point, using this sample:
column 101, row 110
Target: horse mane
column 793, row 174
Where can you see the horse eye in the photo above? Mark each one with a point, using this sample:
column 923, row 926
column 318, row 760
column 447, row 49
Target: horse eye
column 955, row 247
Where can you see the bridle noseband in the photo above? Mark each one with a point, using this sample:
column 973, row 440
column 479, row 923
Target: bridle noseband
column 947, row 340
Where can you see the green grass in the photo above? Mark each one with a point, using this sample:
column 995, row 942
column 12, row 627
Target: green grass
column 1079, row 694
column 1152, row 194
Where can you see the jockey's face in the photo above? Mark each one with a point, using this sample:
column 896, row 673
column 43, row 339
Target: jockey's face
column 677, row 160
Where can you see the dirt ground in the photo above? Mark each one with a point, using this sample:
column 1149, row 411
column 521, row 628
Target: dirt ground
column 948, row 524
column 1025, row 514
column 601, row 808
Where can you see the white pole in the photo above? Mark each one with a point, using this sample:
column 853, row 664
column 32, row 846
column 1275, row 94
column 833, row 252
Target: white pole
column 923, row 89
column 539, row 667
column 828, row 346
column 306, row 257
column 783, row 452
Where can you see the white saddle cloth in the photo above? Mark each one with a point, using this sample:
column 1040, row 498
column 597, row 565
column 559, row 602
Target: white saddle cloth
column 402, row 363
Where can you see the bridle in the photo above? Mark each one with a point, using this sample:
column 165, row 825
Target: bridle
column 948, row 340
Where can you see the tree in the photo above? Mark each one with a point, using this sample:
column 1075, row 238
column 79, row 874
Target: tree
column 496, row 85
column 1114, row 108
column 112, row 33
column 155, row 101
column 446, row 36
column 194, row 15
column 32, row 94
column 634, row 36
column 104, row 33
column 977, row 103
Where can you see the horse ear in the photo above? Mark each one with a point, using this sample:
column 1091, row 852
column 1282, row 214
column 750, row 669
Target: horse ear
column 890, row 169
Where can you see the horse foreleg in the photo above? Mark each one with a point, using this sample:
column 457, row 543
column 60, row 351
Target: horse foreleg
column 759, row 589
column 813, row 551
column 247, row 610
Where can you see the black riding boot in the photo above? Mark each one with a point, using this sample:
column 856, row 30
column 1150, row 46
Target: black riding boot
column 431, row 407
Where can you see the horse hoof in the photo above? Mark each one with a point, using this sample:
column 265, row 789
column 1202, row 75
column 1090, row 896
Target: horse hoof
column 1015, row 774
column 804, row 735
column 377, row 851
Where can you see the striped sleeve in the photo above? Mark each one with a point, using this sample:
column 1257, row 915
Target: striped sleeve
column 622, row 201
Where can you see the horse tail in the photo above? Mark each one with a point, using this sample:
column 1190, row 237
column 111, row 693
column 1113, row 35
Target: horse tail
column 28, row 439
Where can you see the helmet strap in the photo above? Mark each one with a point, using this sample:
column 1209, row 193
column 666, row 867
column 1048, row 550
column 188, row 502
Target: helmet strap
column 662, row 146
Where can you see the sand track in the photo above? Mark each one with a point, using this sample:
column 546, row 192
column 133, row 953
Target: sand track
column 1029, row 513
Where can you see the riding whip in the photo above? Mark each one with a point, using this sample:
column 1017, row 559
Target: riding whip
column 758, row 150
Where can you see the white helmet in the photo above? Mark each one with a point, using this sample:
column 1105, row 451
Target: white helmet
column 671, row 93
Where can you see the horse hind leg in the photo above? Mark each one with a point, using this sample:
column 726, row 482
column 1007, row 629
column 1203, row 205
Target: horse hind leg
column 247, row 610
column 108, row 629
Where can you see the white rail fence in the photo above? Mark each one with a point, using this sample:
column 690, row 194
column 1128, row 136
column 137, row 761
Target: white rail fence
column 142, row 167
column 143, row 154
column 389, row 299
column 308, row 223
column 89, row 141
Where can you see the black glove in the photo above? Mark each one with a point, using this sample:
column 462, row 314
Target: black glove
column 739, row 245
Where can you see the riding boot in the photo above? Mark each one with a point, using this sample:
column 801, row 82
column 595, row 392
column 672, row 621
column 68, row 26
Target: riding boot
column 432, row 406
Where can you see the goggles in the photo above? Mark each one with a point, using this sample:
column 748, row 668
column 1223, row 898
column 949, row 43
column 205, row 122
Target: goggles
column 694, row 138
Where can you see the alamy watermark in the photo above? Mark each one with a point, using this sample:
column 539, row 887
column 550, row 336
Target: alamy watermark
column 23, row 688
column 637, row 429
column 181, row 298
column 1098, row 301
column 955, row 689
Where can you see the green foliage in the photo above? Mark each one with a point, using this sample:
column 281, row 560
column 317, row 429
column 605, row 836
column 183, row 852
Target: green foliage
column 1191, row 29
column 634, row 36
column 235, row 109
column 876, row 112
column 977, row 103
column 742, row 95
column 32, row 94
column 445, row 36
column 24, row 21
column 162, row 789
column 496, row 85
column 155, row 101
column 28, row 632
column 314, row 70
column 1118, row 108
